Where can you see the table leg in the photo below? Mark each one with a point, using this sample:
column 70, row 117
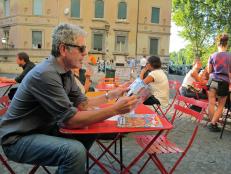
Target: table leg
column 107, row 150
column 121, row 153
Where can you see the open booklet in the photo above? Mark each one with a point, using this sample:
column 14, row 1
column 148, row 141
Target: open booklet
column 139, row 120
column 140, row 89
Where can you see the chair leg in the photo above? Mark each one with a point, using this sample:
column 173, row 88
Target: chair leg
column 44, row 168
column 4, row 162
column 34, row 169
column 115, row 147
column 142, row 168
column 158, row 163
column 224, row 124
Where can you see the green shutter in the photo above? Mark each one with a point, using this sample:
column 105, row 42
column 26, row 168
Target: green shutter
column 37, row 8
column 99, row 9
column 98, row 42
column 153, row 46
column 155, row 15
column 75, row 8
column 122, row 10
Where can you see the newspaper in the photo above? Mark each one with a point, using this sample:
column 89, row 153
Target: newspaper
column 139, row 120
column 140, row 89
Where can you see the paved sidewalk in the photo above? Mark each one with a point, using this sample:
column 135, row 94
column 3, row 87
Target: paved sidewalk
column 208, row 154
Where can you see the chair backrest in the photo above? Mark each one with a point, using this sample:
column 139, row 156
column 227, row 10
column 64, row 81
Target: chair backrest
column 4, row 104
column 183, row 107
column 174, row 85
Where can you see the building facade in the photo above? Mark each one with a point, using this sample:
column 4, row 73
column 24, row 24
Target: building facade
column 117, row 29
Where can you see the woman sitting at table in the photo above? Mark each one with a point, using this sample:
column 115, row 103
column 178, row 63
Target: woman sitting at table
column 158, row 82
column 192, row 76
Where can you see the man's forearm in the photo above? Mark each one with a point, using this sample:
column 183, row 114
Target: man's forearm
column 96, row 101
column 84, row 118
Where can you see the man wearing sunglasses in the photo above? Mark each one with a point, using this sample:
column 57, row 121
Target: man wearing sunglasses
column 47, row 99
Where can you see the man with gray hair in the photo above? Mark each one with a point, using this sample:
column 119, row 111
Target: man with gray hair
column 47, row 99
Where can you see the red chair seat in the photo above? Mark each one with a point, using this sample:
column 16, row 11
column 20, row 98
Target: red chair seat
column 161, row 146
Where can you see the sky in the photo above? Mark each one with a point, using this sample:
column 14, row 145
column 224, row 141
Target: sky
column 176, row 42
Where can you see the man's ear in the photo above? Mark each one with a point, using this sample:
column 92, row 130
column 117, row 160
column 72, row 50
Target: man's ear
column 62, row 50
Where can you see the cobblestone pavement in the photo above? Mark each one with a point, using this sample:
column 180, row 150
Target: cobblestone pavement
column 208, row 154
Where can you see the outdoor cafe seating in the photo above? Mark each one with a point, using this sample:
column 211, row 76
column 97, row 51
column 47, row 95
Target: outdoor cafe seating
column 163, row 145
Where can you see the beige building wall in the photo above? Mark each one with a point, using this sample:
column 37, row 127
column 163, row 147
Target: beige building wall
column 21, row 22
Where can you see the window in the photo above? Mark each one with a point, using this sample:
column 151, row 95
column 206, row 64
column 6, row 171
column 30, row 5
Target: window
column 99, row 9
column 121, row 44
column 122, row 10
column 38, row 7
column 98, row 42
column 155, row 15
column 7, row 7
column 36, row 39
column 75, row 8
column 153, row 46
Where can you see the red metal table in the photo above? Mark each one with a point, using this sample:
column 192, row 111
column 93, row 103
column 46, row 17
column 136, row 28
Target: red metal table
column 6, row 85
column 111, row 127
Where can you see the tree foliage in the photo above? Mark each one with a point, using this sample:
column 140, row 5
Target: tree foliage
column 201, row 21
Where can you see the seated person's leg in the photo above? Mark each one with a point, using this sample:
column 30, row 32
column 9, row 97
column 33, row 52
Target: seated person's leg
column 188, row 93
column 151, row 101
column 69, row 155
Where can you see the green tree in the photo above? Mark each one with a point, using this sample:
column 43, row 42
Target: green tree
column 201, row 21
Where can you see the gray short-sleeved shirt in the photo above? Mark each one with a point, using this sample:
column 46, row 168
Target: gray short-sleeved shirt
column 46, row 98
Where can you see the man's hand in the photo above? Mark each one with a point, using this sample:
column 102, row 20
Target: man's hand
column 143, row 71
column 117, row 92
column 125, row 105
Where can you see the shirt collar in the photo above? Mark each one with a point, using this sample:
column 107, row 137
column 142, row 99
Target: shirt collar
column 57, row 67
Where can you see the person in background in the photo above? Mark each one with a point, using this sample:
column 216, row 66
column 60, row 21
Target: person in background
column 22, row 59
column 82, row 79
column 193, row 75
column 158, row 82
column 49, row 99
column 219, row 65
column 143, row 62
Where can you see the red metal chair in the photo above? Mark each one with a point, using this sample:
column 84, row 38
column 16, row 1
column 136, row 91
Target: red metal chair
column 174, row 87
column 163, row 145
column 4, row 104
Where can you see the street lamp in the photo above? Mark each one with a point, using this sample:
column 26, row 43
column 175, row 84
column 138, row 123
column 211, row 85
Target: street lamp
column 4, row 41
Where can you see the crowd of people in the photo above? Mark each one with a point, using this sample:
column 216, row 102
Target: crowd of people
column 52, row 95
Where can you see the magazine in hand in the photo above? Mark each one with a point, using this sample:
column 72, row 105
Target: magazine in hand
column 140, row 89
column 139, row 120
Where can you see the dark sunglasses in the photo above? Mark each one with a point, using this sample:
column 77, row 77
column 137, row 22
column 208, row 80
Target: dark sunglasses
column 81, row 49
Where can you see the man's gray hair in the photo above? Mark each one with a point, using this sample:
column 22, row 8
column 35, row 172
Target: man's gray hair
column 65, row 33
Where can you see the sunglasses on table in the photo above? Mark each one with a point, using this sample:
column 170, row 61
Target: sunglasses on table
column 81, row 49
